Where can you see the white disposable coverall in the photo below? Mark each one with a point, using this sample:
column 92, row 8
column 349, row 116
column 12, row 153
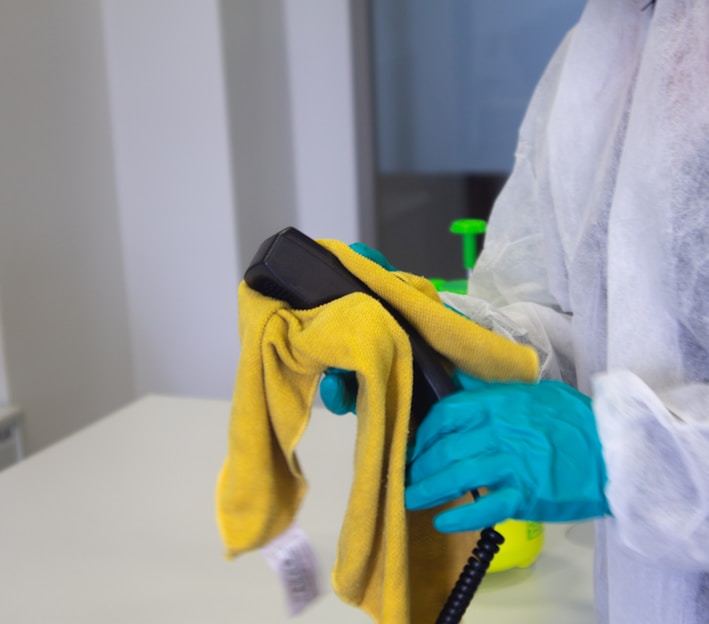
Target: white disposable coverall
column 597, row 253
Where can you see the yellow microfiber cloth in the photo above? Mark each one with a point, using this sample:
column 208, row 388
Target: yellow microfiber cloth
column 391, row 563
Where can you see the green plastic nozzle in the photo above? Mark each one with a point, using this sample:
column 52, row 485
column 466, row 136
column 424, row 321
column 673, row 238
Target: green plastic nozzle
column 469, row 229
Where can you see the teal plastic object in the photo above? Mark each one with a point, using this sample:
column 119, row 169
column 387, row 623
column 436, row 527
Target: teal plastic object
column 535, row 446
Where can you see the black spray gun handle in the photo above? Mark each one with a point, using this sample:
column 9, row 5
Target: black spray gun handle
column 293, row 268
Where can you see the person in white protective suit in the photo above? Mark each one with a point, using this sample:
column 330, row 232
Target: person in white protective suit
column 598, row 248
column 597, row 254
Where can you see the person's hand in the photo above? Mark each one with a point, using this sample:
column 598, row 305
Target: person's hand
column 373, row 254
column 338, row 388
column 534, row 447
column 338, row 391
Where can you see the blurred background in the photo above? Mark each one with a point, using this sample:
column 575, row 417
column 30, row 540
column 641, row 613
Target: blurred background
column 147, row 147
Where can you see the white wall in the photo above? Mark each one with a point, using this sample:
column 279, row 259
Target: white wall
column 64, row 314
column 175, row 197
column 4, row 392
column 258, row 95
column 318, row 34
column 289, row 75
column 147, row 148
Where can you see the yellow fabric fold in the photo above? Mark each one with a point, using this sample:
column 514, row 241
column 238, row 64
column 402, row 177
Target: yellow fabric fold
column 391, row 563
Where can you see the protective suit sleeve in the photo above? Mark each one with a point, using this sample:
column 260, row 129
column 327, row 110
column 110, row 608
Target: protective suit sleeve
column 656, row 450
column 547, row 330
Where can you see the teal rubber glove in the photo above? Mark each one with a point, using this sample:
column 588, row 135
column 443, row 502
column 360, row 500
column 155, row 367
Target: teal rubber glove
column 338, row 391
column 535, row 448
column 373, row 254
column 338, row 388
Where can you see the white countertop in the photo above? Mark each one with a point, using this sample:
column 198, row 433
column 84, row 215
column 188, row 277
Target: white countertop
column 116, row 524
